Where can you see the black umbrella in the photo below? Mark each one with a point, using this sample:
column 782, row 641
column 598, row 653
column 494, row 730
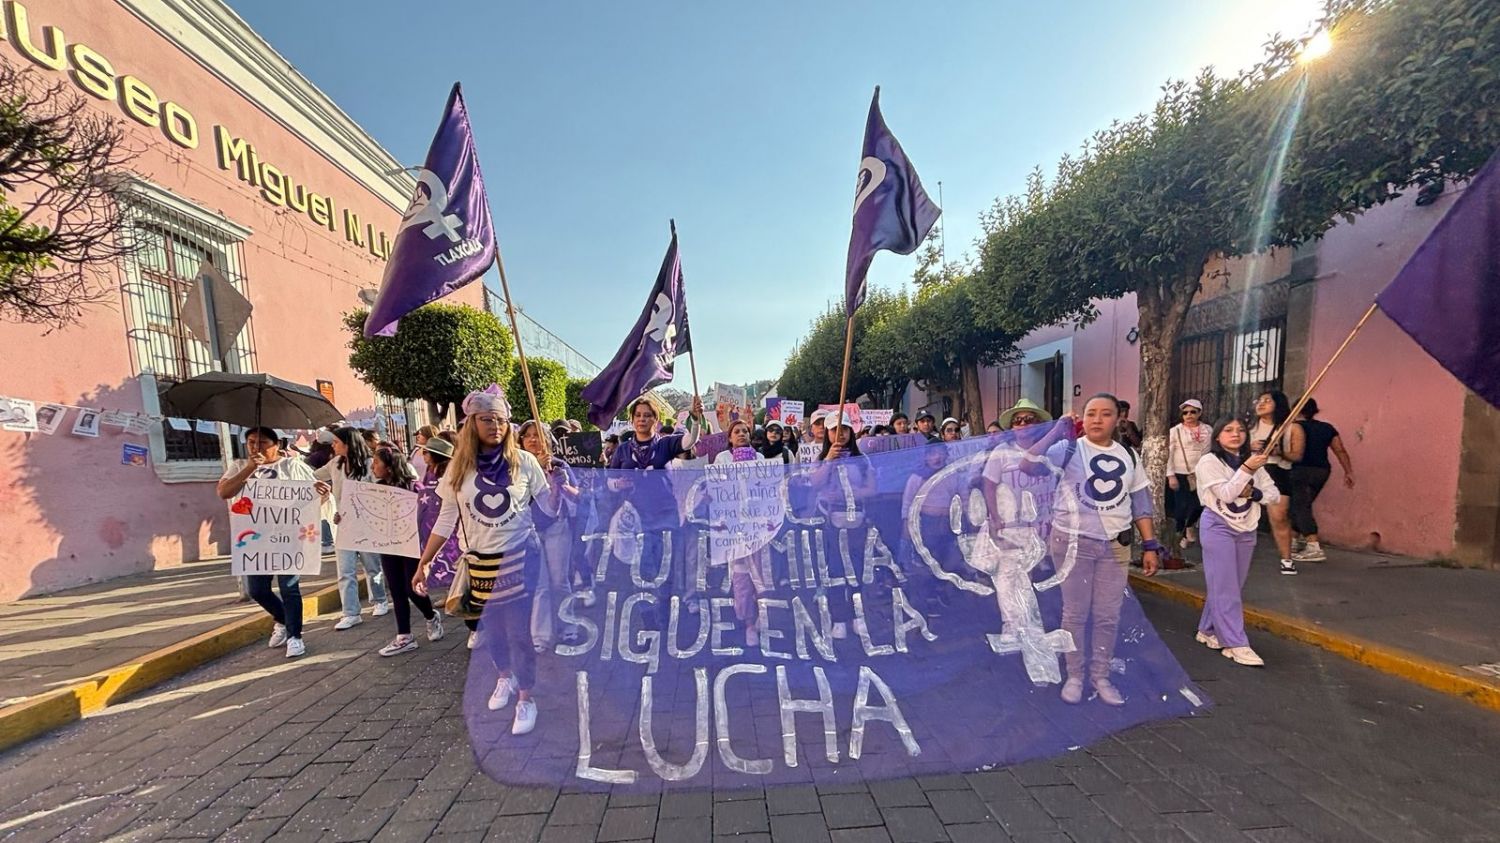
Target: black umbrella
column 250, row 400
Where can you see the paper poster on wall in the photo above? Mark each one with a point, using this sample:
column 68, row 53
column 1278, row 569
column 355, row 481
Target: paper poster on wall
column 180, row 424
column 791, row 412
column 133, row 455
column 87, row 423
column 209, row 427
column 275, row 528
column 138, row 424
column 49, row 417
column 23, row 415
column 377, row 519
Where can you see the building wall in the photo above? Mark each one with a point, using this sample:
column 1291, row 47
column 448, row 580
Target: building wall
column 70, row 511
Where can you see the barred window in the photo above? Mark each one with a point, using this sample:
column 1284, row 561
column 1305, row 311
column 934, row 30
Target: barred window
column 1008, row 386
column 171, row 240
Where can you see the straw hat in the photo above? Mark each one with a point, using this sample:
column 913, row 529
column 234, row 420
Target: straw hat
column 1026, row 405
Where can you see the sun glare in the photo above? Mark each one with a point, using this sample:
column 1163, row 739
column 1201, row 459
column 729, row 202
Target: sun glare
column 1317, row 47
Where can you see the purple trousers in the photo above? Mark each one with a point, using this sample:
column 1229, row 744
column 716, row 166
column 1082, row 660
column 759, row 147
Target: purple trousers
column 1226, row 563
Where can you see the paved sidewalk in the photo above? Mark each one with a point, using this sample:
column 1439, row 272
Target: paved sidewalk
column 54, row 641
column 1447, row 615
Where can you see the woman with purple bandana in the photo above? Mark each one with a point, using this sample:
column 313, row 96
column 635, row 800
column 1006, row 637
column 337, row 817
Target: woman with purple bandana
column 438, row 452
column 489, row 487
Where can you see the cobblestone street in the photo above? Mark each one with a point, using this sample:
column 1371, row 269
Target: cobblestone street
column 346, row 746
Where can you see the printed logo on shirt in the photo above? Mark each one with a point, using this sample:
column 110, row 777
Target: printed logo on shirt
column 490, row 498
column 1105, row 481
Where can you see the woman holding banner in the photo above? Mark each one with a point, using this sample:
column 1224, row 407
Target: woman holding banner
column 843, row 480
column 749, row 576
column 489, row 490
column 555, row 535
column 351, row 461
column 392, row 469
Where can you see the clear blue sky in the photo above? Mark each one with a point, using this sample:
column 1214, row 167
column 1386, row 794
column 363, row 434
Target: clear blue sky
column 598, row 121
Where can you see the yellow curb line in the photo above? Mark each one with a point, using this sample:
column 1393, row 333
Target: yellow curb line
column 41, row 714
column 1400, row 663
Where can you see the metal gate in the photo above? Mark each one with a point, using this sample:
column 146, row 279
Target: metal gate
column 1227, row 369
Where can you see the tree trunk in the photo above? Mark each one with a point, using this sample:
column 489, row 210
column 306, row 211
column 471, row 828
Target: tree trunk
column 971, row 400
column 1162, row 314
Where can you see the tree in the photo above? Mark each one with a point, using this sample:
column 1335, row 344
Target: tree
column 679, row 399
column 439, row 354
column 549, row 379
column 61, row 230
column 1409, row 97
column 816, row 363
column 578, row 409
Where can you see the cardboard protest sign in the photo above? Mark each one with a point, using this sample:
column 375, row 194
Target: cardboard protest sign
column 581, row 450
column 876, row 418
column 852, row 416
column 791, row 412
column 773, row 408
column 745, row 507
column 377, row 519
column 275, row 528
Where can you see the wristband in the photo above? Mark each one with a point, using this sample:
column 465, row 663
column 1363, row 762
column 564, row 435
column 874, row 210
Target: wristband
column 1153, row 546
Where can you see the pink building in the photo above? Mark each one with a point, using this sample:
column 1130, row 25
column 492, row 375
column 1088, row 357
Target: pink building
column 1423, row 447
column 243, row 164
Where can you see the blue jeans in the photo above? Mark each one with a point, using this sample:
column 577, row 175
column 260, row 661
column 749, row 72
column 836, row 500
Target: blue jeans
column 287, row 610
column 350, row 562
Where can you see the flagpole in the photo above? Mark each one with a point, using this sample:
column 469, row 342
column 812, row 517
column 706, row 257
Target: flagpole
column 515, row 330
column 844, row 381
column 1307, row 393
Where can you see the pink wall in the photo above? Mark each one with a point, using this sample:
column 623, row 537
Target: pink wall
column 70, row 512
column 1399, row 413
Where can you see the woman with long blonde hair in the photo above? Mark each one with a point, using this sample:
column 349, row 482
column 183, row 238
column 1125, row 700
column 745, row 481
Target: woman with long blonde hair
column 490, row 487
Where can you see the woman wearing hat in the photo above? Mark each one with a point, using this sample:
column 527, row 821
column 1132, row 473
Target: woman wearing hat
column 1025, row 413
column 775, row 447
column 950, row 430
column 926, row 425
column 489, row 491
column 1187, row 442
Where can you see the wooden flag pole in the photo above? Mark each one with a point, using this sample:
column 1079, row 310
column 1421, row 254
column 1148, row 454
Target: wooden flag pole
column 1307, row 393
column 515, row 330
column 844, row 380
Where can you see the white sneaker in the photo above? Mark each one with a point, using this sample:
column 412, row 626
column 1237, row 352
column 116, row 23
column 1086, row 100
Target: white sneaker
column 1209, row 640
column 1298, row 544
column 1108, row 693
column 1244, row 656
column 1072, row 691
column 840, row 630
column 348, row 622
column 278, row 635
column 295, row 648
column 1289, row 567
column 504, row 690
column 525, row 718
column 381, row 609
column 435, row 631
column 400, row 644
column 1313, row 552
column 473, row 639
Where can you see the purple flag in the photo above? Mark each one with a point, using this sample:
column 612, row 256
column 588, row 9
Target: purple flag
column 645, row 358
column 1447, row 297
column 891, row 210
column 446, row 238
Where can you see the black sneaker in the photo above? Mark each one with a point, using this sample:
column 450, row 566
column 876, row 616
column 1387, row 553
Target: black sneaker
column 1289, row 567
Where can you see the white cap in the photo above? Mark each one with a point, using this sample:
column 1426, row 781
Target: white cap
column 948, row 421
column 1192, row 402
column 819, row 416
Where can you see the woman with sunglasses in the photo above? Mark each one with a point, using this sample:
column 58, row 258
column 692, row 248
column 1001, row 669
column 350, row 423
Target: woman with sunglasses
column 950, row 431
column 776, row 446
column 1187, row 442
column 490, row 489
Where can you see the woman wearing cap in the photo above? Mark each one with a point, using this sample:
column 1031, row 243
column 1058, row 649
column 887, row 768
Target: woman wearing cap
column 390, row 468
column 776, row 447
column 1187, row 442
column 950, row 430
column 1233, row 485
column 926, row 425
column 750, row 575
column 352, row 462
column 811, row 449
column 842, row 472
column 1103, row 491
column 488, row 493
column 556, row 537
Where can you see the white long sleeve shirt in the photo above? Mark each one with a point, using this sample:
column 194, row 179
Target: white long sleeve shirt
column 1220, row 488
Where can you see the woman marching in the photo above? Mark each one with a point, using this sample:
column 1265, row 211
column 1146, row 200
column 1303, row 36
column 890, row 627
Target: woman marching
column 1233, row 485
column 392, row 469
column 1187, row 442
column 555, row 533
column 776, row 447
column 1271, row 411
column 488, row 492
column 351, row 461
column 1103, row 490
column 843, row 481
column 749, row 575
column 439, row 453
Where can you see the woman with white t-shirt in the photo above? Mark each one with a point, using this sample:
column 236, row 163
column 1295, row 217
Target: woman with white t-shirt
column 351, row 461
column 749, row 576
column 1233, row 485
column 1103, row 490
column 1187, row 442
column 555, row 534
column 490, row 487
column 1271, row 411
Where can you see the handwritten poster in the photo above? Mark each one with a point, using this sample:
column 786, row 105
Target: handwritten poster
column 876, row 418
column 378, row 519
column 275, row 528
column 851, row 415
column 791, row 412
column 581, row 450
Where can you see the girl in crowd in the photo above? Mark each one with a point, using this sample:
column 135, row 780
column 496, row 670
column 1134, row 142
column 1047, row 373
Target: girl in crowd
column 556, row 538
column 1309, row 475
column 841, row 461
column 392, row 469
column 1103, row 490
column 489, row 489
column 351, row 461
column 1187, row 442
column 1232, row 485
column 950, row 431
column 439, row 453
column 426, row 433
column 775, row 447
column 749, row 576
column 1271, row 410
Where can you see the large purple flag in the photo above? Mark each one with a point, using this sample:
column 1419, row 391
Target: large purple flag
column 446, row 239
column 891, row 210
column 1447, row 297
column 645, row 358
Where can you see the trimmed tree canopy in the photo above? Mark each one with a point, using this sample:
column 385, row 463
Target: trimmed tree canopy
column 440, row 353
column 550, row 380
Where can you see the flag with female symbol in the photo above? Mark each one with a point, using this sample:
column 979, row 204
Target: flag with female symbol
column 446, row 239
column 891, row 210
